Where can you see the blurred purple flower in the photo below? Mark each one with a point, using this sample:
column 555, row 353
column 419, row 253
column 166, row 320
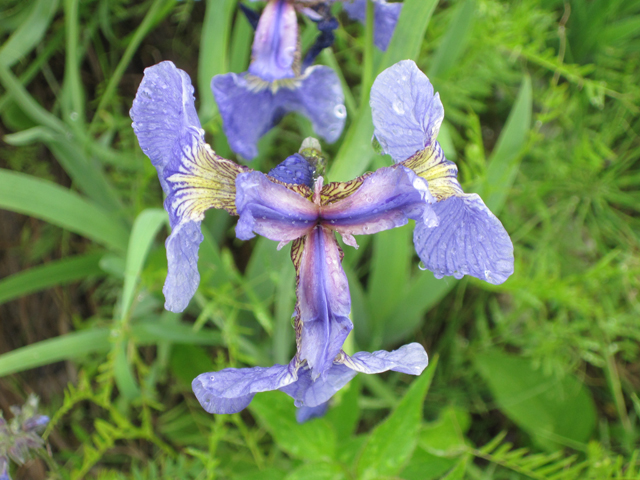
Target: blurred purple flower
column 253, row 102
column 385, row 18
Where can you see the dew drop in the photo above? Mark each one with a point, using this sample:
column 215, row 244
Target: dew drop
column 422, row 266
column 340, row 111
column 398, row 107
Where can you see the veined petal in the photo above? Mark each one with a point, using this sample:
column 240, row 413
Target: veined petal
column 191, row 174
column 441, row 174
column 385, row 18
column 295, row 170
column 469, row 240
column 324, row 303
column 386, row 199
column 304, row 414
column 275, row 42
column 250, row 107
column 271, row 210
column 182, row 259
column 312, row 393
column 232, row 389
column 411, row 359
column 164, row 115
column 406, row 113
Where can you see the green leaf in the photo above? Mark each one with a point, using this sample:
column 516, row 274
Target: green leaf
column 50, row 202
column 78, row 344
column 454, row 41
column 144, row 231
column 345, row 411
column 56, row 273
column 317, row 471
column 356, row 151
column 505, row 159
column 391, row 443
column 457, row 472
column 555, row 411
column 313, row 440
column 214, row 47
column 30, row 32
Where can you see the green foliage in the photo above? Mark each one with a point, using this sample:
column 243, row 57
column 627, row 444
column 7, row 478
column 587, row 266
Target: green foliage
column 537, row 378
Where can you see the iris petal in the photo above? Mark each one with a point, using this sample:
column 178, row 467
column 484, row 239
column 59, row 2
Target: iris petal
column 295, row 170
column 251, row 107
column 310, row 392
column 275, row 42
column 304, row 414
column 411, row 359
column 324, row 303
column 232, row 389
column 469, row 240
column 271, row 210
column 387, row 198
column 406, row 113
column 385, row 18
column 191, row 174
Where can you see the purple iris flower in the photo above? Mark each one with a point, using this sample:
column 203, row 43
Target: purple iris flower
column 455, row 233
column 253, row 102
column 385, row 18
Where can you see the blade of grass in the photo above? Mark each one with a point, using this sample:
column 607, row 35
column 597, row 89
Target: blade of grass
column 73, row 89
column 50, row 202
column 155, row 13
column 60, row 272
column 454, row 40
column 356, row 152
column 214, row 48
column 96, row 340
column 144, row 231
column 29, row 34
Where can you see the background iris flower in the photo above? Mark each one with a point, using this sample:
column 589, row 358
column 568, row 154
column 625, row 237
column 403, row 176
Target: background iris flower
column 277, row 82
column 385, row 18
column 459, row 236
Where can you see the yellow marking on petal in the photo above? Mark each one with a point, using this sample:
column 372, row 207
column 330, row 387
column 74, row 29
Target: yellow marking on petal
column 440, row 173
column 205, row 180
column 336, row 191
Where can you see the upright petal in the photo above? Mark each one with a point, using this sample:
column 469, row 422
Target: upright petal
column 251, row 107
column 294, row 170
column 385, row 18
column 406, row 113
column 232, row 389
column 191, row 174
column 324, row 303
column 469, row 240
column 164, row 115
column 275, row 42
column 386, row 199
column 271, row 209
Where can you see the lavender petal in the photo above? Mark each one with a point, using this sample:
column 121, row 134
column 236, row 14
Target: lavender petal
column 387, row 198
column 406, row 113
column 271, row 210
column 385, row 18
column 411, row 359
column 232, row 389
column 324, row 303
column 294, row 170
column 304, row 414
column 469, row 240
column 311, row 393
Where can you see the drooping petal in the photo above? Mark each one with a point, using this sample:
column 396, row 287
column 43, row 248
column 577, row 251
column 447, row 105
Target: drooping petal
column 385, row 18
column 275, row 42
column 406, row 113
column 272, row 210
column 411, row 359
column 386, row 199
column 311, row 393
column 324, row 303
column 304, row 414
column 182, row 259
column 295, row 170
column 191, row 174
column 232, row 389
column 469, row 240
column 251, row 107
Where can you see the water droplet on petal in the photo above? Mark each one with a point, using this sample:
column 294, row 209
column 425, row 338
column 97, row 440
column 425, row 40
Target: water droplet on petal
column 398, row 107
column 340, row 111
column 422, row 266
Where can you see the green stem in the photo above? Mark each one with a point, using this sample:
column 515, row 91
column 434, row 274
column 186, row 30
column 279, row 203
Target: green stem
column 367, row 63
